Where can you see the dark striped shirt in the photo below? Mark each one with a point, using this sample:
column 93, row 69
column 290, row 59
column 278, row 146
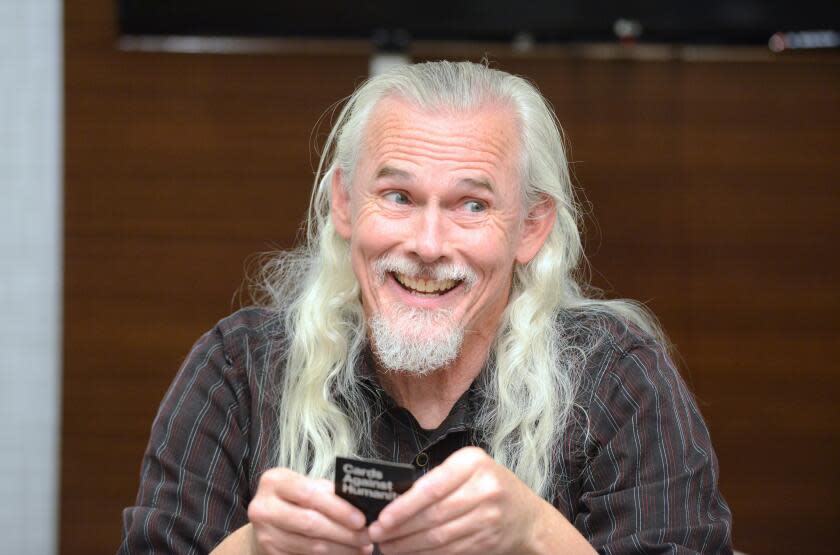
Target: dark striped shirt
column 643, row 480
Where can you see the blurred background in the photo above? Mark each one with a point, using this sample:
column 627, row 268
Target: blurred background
column 149, row 148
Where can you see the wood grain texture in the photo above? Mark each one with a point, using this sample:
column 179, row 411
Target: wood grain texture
column 713, row 185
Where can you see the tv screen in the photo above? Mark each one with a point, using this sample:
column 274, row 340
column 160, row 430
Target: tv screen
column 712, row 21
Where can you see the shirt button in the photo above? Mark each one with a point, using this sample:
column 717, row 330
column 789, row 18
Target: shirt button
column 422, row 459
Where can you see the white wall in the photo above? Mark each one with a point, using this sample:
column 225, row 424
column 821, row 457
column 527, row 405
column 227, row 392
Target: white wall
column 30, row 266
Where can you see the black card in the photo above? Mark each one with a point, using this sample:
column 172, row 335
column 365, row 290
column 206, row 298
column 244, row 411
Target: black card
column 370, row 484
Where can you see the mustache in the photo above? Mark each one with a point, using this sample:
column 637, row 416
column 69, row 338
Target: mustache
column 411, row 268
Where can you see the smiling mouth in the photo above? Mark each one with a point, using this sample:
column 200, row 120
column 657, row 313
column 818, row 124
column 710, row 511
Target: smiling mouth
column 426, row 287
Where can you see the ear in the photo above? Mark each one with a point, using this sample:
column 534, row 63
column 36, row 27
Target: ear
column 340, row 204
column 535, row 229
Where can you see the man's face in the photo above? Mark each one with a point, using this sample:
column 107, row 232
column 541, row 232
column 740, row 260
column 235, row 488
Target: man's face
column 434, row 216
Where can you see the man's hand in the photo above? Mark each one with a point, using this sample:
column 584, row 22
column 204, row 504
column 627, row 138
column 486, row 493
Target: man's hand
column 469, row 504
column 291, row 513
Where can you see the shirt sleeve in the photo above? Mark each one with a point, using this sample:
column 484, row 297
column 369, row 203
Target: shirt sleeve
column 193, row 486
column 650, row 485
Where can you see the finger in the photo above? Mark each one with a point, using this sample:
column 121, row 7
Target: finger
column 432, row 488
column 296, row 544
column 474, row 543
column 314, row 524
column 458, row 503
column 437, row 538
column 316, row 495
column 287, row 517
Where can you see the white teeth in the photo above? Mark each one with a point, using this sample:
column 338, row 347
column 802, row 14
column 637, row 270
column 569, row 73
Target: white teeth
column 426, row 285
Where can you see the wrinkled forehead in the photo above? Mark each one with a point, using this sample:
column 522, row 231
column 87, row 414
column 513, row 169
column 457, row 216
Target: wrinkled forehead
column 486, row 137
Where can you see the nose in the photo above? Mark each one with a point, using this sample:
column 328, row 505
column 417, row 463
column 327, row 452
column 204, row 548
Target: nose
column 429, row 241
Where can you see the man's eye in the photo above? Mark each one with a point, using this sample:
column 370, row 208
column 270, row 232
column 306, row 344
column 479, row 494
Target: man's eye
column 397, row 197
column 475, row 206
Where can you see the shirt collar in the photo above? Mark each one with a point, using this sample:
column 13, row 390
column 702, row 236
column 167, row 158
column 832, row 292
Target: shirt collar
column 463, row 413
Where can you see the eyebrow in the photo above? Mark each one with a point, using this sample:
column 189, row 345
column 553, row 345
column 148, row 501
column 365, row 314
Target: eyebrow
column 389, row 171
column 402, row 175
column 479, row 183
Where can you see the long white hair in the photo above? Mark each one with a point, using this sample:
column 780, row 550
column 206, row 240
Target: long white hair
column 529, row 396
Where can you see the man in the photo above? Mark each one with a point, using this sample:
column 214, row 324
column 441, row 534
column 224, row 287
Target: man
column 432, row 316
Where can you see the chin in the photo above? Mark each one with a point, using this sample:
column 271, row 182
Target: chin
column 416, row 341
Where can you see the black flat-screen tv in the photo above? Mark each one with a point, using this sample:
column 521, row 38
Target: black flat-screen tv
column 703, row 22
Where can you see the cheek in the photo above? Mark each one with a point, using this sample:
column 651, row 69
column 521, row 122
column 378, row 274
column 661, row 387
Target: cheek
column 375, row 228
column 491, row 248
column 371, row 238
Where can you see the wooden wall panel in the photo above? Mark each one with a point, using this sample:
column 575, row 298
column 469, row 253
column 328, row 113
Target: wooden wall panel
column 714, row 199
column 177, row 168
column 760, row 162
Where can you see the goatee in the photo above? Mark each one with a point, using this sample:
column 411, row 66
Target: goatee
column 414, row 340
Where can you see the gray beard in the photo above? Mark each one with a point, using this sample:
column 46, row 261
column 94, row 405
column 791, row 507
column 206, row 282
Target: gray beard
column 416, row 341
